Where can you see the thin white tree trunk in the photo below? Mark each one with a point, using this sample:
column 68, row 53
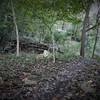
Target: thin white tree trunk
column 53, row 42
column 16, row 29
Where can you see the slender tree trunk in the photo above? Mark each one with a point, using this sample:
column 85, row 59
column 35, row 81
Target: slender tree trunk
column 16, row 29
column 97, row 31
column 53, row 43
column 83, row 36
column 53, row 48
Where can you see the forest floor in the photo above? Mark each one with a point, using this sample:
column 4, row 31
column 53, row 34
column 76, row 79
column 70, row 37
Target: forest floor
column 77, row 79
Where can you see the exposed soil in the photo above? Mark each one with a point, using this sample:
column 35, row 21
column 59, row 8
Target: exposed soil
column 78, row 79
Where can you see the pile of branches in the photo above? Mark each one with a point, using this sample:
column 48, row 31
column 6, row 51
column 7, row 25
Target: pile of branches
column 28, row 46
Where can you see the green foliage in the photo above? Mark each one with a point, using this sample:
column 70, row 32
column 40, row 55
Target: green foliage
column 90, row 44
column 60, row 37
column 6, row 25
column 70, row 50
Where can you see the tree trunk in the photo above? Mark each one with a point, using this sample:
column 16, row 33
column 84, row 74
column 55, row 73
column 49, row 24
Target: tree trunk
column 53, row 48
column 16, row 29
column 53, row 43
column 83, row 36
column 97, row 31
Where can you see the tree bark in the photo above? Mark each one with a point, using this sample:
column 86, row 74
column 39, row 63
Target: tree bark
column 83, row 36
column 53, row 43
column 97, row 31
column 16, row 29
